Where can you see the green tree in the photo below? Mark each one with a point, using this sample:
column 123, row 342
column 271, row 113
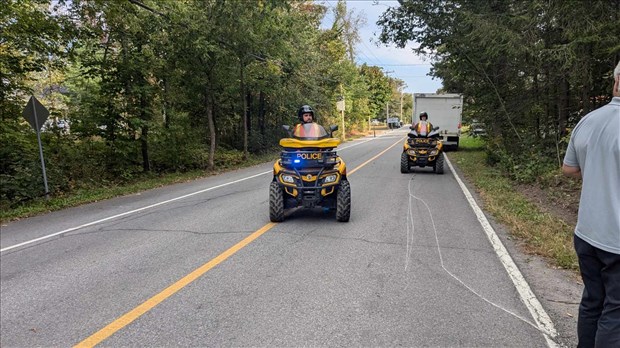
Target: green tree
column 524, row 69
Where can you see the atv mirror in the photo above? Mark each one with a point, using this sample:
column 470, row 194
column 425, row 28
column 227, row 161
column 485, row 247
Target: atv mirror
column 332, row 129
column 435, row 128
column 287, row 128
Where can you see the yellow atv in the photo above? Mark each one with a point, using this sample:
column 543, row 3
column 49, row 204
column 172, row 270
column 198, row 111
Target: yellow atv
column 422, row 151
column 309, row 174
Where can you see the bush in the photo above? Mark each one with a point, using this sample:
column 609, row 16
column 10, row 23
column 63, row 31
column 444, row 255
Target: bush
column 527, row 165
column 175, row 149
column 21, row 176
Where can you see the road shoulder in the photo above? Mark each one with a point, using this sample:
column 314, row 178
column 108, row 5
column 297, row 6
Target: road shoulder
column 558, row 290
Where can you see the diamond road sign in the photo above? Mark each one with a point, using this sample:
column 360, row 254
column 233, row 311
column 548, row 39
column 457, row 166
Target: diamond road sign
column 36, row 114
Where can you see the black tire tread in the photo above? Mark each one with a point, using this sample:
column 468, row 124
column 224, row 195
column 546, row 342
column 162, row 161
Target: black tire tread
column 404, row 163
column 439, row 164
column 276, row 202
column 343, row 204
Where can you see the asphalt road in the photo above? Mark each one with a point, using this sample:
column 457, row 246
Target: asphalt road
column 413, row 267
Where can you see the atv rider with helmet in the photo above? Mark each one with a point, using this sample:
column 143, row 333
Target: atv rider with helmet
column 423, row 128
column 307, row 128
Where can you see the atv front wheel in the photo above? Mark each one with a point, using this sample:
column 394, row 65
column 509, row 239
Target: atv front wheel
column 404, row 163
column 343, row 202
column 439, row 164
column 276, row 202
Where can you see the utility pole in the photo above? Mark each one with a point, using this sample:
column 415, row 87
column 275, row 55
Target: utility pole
column 342, row 120
column 401, row 105
column 387, row 113
column 340, row 107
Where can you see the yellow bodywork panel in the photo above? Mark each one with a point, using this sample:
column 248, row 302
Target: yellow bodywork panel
column 300, row 144
column 308, row 178
column 327, row 191
column 341, row 167
column 277, row 168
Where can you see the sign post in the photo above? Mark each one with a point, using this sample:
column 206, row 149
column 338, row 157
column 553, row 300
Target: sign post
column 340, row 107
column 37, row 114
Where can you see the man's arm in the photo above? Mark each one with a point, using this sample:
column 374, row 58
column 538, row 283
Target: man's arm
column 574, row 172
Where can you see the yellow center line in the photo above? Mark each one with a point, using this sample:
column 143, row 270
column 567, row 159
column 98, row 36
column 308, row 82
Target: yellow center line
column 375, row 157
column 135, row 313
column 149, row 304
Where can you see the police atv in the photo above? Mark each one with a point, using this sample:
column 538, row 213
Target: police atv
column 422, row 151
column 309, row 174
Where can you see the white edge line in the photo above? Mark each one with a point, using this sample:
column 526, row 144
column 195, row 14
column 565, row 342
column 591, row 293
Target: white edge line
column 144, row 208
column 537, row 311
column 130, row 212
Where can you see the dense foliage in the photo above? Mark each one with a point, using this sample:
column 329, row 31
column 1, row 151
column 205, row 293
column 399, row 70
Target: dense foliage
column 529, row 70
column 152, row 86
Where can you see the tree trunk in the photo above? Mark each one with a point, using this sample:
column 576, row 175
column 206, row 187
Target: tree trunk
column 537, row 102
column 146, row 165
column 563, row 106
column 166, row 110
column 261, row 112
column 248, row 112
column 243, row 109
column 144, row 137
column 209, row 108
column 209, row 103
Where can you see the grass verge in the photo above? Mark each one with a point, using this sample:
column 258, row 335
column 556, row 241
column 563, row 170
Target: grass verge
column 541, row 233
column 98, row 193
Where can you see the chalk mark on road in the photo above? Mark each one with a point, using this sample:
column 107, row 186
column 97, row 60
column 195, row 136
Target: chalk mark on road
column 543, row 321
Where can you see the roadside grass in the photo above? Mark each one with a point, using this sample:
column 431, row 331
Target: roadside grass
column 101, row 191
column 541, row 232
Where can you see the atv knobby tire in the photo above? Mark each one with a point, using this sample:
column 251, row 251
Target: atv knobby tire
column 343, row 202
column 276, row 202
column 404, row 163
column 439, row 164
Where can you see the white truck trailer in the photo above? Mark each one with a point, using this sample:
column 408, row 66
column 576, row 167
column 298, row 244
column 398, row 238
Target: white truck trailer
column 444, row 111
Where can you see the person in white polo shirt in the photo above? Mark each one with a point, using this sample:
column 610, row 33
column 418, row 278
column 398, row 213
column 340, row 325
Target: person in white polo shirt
column 593, row 154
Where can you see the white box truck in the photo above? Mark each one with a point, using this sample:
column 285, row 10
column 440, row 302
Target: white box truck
column 444, row 111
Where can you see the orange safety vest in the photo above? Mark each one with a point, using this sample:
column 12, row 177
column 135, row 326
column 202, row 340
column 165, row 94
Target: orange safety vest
column 419, row 127
column 310, row 131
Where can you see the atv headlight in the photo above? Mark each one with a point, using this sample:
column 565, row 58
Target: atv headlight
column 288, row 178
column 434, row 152
column 330, row 178
column 411, row 152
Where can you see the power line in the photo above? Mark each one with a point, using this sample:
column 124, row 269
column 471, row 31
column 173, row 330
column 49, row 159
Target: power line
column 369, row 50
column 367, row 58
column 414, row 64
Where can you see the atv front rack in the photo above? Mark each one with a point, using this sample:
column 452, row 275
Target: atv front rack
column 422, row 142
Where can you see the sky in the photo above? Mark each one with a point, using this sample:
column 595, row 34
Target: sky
column 398, row 63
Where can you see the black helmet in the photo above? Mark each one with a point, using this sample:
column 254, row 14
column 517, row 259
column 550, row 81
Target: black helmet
column 305, row 109
column 423, row 113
